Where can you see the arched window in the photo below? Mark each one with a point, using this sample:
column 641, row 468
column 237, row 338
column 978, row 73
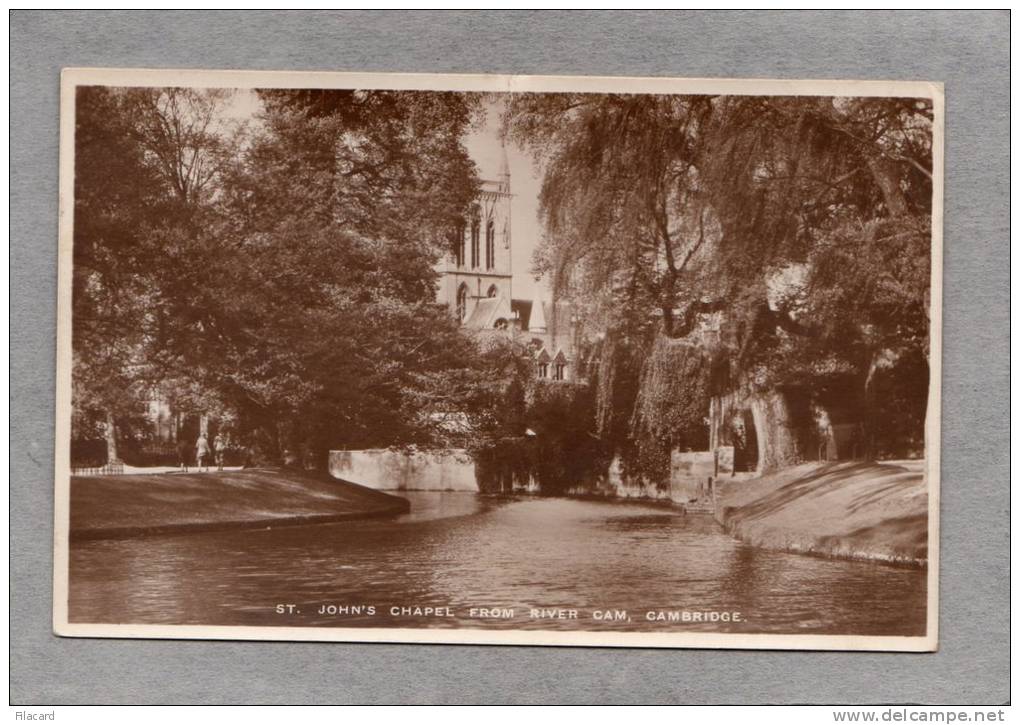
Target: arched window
column 462, row 296
column 458, row 244
column 493, row 291
column 475, row 232
column 490, row 245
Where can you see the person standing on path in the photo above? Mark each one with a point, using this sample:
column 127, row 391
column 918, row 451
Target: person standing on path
column 201, row 450
column 219, row 448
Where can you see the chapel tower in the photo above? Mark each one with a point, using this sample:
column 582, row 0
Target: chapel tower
column 476, row 272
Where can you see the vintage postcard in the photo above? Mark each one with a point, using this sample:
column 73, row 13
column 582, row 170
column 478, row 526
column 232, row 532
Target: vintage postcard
column 499, row 359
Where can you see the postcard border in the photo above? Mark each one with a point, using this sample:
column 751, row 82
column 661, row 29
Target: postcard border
column 71, row 78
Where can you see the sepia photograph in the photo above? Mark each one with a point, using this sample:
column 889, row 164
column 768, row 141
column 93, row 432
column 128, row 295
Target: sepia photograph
column 587, row 361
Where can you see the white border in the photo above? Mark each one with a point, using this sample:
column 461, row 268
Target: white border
column 73, row 77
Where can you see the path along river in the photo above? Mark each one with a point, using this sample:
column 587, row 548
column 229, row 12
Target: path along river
column 458, row 551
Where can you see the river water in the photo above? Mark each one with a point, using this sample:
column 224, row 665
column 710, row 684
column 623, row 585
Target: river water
column 458, row 552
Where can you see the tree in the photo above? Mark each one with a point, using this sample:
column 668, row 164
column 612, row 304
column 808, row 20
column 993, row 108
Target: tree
column 524, row 430
column 663, row 211
column 280, row 274
column 620, row 197
column 327, row 332
column 826, row 202
column 146, row 163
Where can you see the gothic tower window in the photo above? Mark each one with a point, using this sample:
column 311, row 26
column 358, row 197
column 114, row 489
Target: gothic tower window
column 490, row 245
column 475, row 233
column 493, row 291
column 462, row 296
column 458, row 244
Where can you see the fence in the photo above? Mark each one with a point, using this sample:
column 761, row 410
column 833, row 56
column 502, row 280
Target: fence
column 108, row 469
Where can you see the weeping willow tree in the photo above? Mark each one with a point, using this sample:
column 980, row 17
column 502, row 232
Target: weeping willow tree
column 669, row 408
column 788, row 236
column 824, row 207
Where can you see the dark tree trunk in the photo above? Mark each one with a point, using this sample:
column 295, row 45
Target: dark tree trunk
column 776, row 438
column 667, row 320
column 886, row 173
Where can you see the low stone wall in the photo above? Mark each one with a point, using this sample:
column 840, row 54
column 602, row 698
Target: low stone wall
column 692, row 478
column 619, row 485
column 387, row 470
column 692, row 475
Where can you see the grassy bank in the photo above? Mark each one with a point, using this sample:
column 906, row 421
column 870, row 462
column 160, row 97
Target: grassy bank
column 875, row 511
column 163, row 503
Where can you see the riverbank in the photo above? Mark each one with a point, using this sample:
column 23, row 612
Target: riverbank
column 874, row 511
column 111, row 507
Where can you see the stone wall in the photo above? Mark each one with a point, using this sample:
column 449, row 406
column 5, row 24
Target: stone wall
column 692, row 478
column 620, row 485
column 692, row 475
column 388, row 470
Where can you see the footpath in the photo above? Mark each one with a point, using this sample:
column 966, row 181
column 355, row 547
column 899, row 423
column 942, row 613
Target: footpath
column 140, row 504
column 850, row 510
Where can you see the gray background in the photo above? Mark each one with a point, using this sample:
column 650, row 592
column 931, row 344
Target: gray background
column 969, row 51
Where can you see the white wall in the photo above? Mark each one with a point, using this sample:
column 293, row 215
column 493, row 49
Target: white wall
column 384, row 469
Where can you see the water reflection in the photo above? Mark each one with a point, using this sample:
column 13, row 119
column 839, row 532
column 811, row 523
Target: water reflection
column 461, row 551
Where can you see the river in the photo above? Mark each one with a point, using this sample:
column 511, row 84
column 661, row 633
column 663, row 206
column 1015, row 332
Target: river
column 459, row 551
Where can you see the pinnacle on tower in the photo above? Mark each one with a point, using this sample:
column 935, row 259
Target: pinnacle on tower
column 504, row 166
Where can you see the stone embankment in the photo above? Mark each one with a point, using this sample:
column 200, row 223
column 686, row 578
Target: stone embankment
column 852, row 510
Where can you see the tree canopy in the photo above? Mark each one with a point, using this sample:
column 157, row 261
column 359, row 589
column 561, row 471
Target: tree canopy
column 797, row 227
column 280, row 275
